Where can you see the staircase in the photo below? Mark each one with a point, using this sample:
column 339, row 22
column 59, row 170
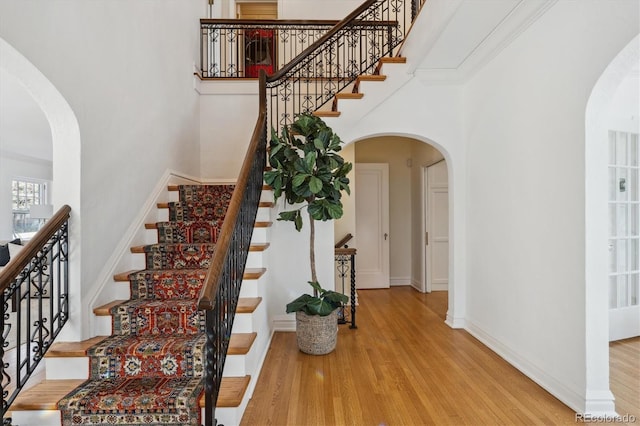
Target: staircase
column 157, row 335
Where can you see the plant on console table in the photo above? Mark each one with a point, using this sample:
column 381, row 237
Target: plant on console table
column 307, row 169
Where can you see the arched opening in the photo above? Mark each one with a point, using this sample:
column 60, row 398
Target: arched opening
column 599, row 397
column 65, row 160
column 26, row 172
column 409, row 159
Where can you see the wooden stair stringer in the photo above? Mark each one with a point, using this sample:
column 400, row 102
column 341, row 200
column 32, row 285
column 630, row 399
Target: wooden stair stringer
column 355, row 91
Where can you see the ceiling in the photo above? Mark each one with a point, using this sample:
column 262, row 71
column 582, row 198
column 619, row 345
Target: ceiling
column 469, row 33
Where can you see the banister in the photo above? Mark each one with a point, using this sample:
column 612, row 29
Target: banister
column 35, row 283
column 267, row 22
column 30, row 250
column 343, row 241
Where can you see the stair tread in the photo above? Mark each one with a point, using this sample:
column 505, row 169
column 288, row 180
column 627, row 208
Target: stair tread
column 245, row 305
column 258, row 224
column 326, row 113
column 72, row 349
column 232, row 391
column 349, row 95
column 175, row 187
column 394, row 60
column 249, row 274
column 368, row 77
column 240, row 343
column 46, row 394
column 105, row 310
column 253, row 247
column 165, row 205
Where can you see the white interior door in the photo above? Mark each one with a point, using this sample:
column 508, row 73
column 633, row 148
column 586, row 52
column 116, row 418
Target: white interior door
column 372, row 225
column 436, row 227
column 624, row 235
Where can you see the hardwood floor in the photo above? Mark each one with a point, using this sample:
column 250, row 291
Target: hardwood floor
column 403, row 366
column 624, row 376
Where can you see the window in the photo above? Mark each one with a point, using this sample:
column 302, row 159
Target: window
column 24, row 194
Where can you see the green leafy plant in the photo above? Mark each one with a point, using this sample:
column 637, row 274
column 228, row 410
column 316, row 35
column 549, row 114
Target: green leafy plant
column 307, row 170
column 322, row 304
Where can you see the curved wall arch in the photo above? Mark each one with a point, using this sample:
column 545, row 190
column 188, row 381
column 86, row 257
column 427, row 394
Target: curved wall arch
column 599, row 398
column 65, row 133
column 457, row 289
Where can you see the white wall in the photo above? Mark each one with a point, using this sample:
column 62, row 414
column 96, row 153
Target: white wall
column 228, row 114
column 125, row 69
column 525, row 125
column 307, row 9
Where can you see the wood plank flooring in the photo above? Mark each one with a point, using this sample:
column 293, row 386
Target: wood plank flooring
column 403, row 366
column 624, row 376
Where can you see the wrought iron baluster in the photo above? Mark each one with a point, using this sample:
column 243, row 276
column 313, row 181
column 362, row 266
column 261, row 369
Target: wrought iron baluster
column 34, row 306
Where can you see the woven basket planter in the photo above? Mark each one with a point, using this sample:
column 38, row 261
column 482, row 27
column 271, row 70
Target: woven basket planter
column 317, row 335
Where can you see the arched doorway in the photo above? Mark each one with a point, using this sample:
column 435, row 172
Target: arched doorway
column 599, row 397
column 65, row 139
column 408, row 158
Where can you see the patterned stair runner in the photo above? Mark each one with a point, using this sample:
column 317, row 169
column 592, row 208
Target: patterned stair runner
column 149, row 371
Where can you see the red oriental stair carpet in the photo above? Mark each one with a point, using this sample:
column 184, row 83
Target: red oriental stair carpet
column 149, row 371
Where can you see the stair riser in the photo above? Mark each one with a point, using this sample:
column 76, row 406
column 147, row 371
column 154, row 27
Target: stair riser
column 37, row 418
column 252, row 288
column 255, row 259
column 199, row 232
column 240, row 365
column 185, row 256
column 248, row 323
column 261, row 235
column 67, row 368
column 264, row 214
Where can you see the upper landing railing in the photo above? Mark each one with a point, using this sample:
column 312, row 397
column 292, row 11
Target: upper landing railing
column 240, row 48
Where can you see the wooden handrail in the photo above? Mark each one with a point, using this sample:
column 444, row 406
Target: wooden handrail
column 300, row 22
column 343, row 241
column 30, row 250
column 269, row 22
column 345, row 251
column 210, row 287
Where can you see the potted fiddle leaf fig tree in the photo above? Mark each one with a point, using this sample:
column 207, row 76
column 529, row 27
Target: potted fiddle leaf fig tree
column 308, row 171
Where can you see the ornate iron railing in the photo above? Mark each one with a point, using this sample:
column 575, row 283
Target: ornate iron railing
column 345, row 261
column 35, row 290
column 352, row 48
column 239, row 48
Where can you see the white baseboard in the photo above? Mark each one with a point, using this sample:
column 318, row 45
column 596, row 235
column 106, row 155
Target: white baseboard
column 455, row 322
column 398, row 281
column 558, row 389
column 439, row 287
column 284, row 323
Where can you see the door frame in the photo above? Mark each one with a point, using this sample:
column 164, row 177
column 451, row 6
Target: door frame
column 425, row 284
